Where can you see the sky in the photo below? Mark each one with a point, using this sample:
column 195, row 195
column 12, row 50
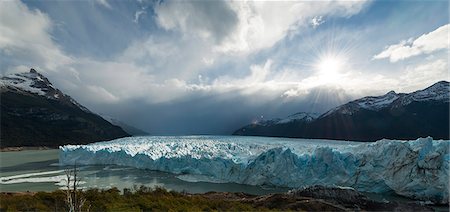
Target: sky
column 209, row 67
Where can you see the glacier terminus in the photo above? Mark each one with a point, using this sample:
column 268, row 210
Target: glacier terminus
column 417, row 169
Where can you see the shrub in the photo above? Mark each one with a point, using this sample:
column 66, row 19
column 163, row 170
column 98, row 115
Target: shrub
column 141, row 199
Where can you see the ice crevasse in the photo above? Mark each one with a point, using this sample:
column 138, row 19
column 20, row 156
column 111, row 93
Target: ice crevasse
column 417, row 169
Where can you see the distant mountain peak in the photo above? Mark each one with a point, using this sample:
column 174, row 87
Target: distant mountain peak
column 436, row 92
column 301, row 116
column 33, row 82
column 390, row 93
column 296, row 117
column 439, row 91
column 440, row 86
column 377, row 102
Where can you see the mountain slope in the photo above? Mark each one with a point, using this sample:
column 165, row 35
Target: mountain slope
column 126, row 127
column 394, row 116
column 286, row 127
column 35, row 113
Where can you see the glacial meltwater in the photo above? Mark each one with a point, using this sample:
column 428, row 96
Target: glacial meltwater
column 39, row 170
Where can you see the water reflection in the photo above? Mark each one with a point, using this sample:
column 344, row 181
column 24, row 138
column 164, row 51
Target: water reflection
column 37, row 164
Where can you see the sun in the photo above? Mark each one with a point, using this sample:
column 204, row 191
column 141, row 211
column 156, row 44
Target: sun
column 329, row 69
column 329, row 66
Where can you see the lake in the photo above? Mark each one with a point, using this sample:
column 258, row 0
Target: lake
column 38, row 170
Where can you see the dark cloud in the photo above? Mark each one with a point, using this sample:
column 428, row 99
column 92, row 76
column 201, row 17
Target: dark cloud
column 213, row 114
column 214, row 19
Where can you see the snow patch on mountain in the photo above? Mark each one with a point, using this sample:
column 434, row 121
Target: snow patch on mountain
column 437, row 92
column 417, row 169
column 440, row 91
column 377, row 103
column 301, row 116
column 35, row 83
column 307, row 117
column 24, row 81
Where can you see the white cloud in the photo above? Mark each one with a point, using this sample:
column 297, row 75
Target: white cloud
column 137, row 15
column 425, row 44
column 25, row 39
column 246, row 26
column 170, row 56
column 426, row 73
column 33, row 26
column 316, row 21
column 161, row 69
column 203, row 35
column 260, row 24
column 104, row 3
column 164, row 68
column 112, row 81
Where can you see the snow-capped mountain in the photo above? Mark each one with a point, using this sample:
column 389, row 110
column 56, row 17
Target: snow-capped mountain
column 374, row 103
column 35, row 113
column 278, row 126
column 436, row 92
column 393, row 115
column 296, row 117
column 35, row 83
column 302, row 116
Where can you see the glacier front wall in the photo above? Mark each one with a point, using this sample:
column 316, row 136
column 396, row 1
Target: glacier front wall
column 416, row 169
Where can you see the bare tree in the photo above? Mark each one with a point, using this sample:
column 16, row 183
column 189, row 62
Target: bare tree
column 74, row 199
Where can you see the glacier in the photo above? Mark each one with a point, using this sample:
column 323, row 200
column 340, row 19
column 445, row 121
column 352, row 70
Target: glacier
column 418, row 169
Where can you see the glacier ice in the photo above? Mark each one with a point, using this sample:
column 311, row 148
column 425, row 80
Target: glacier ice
column 417, row 169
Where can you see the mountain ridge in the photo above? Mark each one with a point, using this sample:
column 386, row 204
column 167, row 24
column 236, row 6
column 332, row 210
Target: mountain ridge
column 36, row 83
column 35, row 113
column 417, row 114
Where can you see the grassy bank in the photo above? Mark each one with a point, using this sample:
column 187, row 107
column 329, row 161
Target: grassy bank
column 139, row 199
column 315, row 198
